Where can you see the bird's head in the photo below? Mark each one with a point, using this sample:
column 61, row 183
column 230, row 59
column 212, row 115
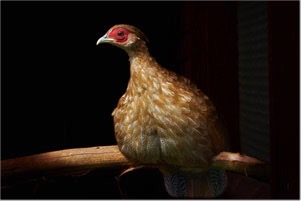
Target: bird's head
column 124, row 36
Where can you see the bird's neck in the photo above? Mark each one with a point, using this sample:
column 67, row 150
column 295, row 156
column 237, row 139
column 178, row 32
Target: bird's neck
column 143, row 69
column 142, row 64
column 141, row 60
column 138, row 51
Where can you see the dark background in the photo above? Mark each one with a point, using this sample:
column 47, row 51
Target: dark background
column 59, row 89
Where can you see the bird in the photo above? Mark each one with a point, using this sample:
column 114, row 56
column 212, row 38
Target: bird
column 164, row 119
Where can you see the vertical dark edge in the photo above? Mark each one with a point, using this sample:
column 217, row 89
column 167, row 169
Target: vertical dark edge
column 209, row 55
column 283, row 26
column 223, row 66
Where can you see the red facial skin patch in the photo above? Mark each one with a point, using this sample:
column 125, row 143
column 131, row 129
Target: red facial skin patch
column 119, row 34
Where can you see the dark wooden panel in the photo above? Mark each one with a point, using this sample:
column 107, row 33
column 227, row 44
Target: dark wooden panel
column 284, row 98
column 209, row 57
column 253, row 79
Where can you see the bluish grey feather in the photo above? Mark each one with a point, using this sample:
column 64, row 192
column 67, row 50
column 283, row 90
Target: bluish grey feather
column 186, row 184
column 218, row 180
column 176, row 185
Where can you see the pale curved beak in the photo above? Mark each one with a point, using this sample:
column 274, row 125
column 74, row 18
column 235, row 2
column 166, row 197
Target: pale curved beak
column 104, row 39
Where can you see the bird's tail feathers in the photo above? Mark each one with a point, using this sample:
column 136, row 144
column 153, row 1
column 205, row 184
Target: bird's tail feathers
column 185, row 184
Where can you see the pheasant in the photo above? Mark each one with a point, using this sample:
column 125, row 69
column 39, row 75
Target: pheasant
column 163, row 119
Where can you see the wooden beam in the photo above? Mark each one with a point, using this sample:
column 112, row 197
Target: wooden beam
column 63, row 162
column 82, row 160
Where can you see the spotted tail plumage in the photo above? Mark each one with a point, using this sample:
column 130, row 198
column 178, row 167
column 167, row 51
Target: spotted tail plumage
column 208, row 184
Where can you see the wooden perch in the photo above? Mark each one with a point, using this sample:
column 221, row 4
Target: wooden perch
column 63, row 162
column 242, row 164
column 79, row 160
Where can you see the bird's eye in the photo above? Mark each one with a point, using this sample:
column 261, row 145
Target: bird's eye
column 120, row 33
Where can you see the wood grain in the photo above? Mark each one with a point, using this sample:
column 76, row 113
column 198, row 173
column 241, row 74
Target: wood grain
column 79, row 161
column 62, row 162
